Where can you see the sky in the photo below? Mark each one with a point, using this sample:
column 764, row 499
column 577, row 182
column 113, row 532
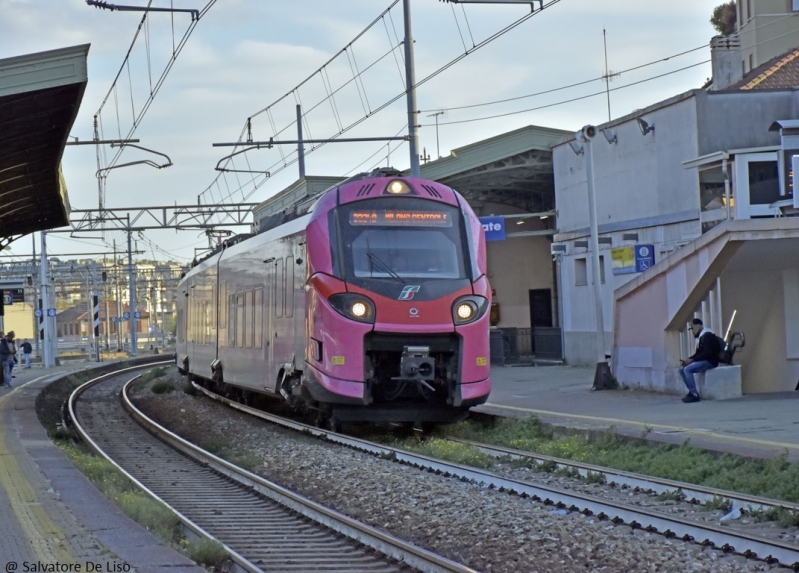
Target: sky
column 246, row 58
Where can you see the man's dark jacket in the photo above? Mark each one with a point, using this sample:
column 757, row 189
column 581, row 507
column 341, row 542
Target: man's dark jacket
column 708, row 349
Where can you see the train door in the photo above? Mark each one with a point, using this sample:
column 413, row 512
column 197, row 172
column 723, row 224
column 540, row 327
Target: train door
column 191, row 324
column 269, row 325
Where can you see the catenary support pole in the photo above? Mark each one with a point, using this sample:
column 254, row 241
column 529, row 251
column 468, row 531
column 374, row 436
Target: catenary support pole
column 410, row 81
column 132, row 306
column 300, row 147
column 48, row 359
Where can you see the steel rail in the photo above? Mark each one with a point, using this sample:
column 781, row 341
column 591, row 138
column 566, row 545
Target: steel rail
column 188, row 523
column 750, row 546
column 693, row 492
column 394, row 548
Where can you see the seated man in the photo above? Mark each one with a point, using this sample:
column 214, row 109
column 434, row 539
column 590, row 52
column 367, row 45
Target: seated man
column 705, row 358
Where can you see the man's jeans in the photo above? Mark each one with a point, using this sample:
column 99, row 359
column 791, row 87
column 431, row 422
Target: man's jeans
column 7, row 366
column 27, row 360
column 687, row 373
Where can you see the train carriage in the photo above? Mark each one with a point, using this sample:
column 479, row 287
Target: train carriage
column 371, row 307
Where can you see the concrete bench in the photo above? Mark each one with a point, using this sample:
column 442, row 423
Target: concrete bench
column 720, row 383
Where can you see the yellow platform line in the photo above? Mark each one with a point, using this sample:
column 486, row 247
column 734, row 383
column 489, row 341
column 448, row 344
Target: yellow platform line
column 645, row 425
column 48, row 543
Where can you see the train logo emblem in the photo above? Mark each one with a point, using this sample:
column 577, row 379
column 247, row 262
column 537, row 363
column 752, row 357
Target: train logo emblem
column 408, row 292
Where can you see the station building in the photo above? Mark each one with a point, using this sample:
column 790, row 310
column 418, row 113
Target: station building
column 704, row 181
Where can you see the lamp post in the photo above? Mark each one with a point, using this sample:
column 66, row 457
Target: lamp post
column 602, row 376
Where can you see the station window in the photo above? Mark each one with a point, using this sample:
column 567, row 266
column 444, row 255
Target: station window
column 601, row 269
column 580, row 272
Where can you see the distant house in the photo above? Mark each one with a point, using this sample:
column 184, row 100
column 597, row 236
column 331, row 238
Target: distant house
column 75, row 321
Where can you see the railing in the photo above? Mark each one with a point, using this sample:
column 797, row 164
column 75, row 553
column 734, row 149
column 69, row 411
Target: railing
column 521, row 344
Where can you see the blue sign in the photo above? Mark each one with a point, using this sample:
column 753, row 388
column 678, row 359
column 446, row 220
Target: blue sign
column 37, row 312
column 137, row 314
column 126, row 315
column 644, row 257
column 113, row 319
column 51, row 312
column 494, row 228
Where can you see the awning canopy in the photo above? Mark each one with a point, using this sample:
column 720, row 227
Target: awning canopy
column 40, row 95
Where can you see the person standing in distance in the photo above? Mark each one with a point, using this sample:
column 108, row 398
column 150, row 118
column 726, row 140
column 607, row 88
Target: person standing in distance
column 26, row 350
column 705, row 358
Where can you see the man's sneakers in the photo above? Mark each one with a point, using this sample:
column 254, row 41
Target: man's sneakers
column 690, row 398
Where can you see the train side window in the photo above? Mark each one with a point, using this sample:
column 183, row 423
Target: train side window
column 222, row 305
column 232, row 312
column 249, row 312
column 240, row 320
column 279, row 288
column 290, row 286
column 258, row 320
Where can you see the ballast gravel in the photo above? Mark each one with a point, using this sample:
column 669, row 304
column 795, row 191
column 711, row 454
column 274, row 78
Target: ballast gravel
column 484, row 529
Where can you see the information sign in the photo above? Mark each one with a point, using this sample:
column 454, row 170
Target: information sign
column 137, row 314
column 644, row 257
column 51, row 312
column 494, row 228
column 38, row 312
column 126, row 315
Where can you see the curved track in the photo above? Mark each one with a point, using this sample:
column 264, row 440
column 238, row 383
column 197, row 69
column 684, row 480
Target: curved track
column 263, row 526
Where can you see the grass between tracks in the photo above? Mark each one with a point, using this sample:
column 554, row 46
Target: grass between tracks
column 774, row 478
column 146, row 511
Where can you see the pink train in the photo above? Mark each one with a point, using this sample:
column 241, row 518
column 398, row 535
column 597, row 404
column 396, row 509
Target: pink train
column 372, row 307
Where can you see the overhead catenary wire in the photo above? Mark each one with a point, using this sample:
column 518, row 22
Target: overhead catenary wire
column 602, row 92
column 273, row 169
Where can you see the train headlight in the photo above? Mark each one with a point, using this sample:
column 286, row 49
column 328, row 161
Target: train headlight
column 398, row 187
column 358, row 309
column 353, row 306
column 467, row 309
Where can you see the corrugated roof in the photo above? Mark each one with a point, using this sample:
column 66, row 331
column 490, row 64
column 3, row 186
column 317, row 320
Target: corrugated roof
column 40, row 95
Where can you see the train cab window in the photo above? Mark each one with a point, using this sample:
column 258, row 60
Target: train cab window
column 413, row 238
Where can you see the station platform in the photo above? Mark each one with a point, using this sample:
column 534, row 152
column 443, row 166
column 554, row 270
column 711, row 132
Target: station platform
column 50, row 514
column 756, row 425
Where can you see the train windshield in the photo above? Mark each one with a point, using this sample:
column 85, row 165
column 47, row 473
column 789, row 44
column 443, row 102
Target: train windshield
column 396, row 239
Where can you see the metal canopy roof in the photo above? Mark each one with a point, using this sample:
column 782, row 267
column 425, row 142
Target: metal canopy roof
column 40, row 95
column 513, row 169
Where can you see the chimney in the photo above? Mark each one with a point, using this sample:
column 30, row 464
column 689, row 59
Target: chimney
column 725, row 55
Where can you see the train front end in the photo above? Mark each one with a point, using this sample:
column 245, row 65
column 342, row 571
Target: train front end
column 397, row 303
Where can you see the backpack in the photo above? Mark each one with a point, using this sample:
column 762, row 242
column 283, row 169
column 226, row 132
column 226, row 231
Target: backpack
column 725, row 355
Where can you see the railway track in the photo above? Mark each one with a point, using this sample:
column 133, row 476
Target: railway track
column 263, row 526
column 747, row 544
